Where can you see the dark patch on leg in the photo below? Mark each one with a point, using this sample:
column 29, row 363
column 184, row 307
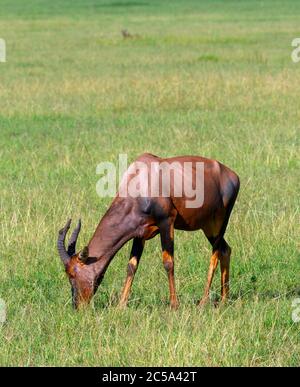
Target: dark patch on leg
column 168, row 265
column 131, row 269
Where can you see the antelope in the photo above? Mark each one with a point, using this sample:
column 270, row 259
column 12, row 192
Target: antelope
column 141, row 218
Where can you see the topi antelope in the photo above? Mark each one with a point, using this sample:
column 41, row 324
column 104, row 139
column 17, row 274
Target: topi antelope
column 142, row 217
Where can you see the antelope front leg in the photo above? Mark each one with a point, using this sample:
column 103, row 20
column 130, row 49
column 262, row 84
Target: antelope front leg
column 136, row 253
column 167, row 243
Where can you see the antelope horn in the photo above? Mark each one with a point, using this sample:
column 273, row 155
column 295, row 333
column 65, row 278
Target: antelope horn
column 72, row 242
column 61, row 243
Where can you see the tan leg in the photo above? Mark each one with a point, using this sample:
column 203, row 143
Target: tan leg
column 225, row 263
column 221, row 253
column 168, row 262
column 136, row 252
column 211, row 271
column 167, row 242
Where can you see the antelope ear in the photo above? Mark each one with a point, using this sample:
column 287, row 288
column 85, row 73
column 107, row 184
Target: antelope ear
column 83, row 256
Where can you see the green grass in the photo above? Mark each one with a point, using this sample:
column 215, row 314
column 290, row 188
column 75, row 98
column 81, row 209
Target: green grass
column 209, row 78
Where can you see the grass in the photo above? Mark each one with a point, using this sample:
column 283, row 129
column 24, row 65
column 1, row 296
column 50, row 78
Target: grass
column 211, row 78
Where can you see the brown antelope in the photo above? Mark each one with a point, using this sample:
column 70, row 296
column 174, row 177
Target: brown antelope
column 142, row 217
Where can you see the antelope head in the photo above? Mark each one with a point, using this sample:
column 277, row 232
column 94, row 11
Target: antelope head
column 79, row 268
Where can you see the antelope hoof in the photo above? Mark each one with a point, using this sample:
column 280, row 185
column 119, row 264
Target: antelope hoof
column 224, row 301
column 122, row 305
column 203, row 302
column 174, row 305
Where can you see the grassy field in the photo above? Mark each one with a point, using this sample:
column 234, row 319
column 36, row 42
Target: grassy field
column 212, row 78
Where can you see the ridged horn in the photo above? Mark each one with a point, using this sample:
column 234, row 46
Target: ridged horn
column 72, row 242
column 61, row 243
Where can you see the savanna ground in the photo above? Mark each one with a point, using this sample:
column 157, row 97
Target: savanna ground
column 211, row 78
